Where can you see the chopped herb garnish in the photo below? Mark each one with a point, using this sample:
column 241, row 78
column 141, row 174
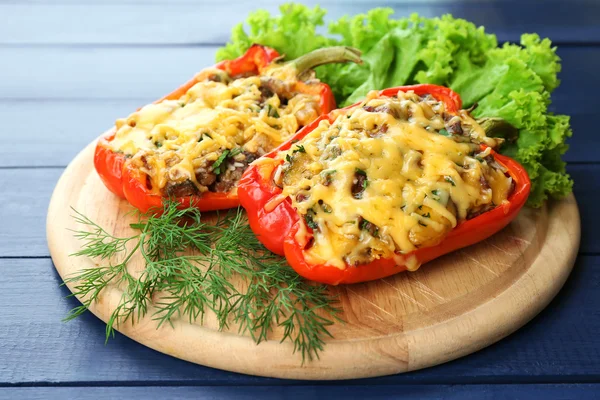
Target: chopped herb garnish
column 363, row 223
column 309, row 218
column 369, row 227
column 234, row 152
column 450, row 180
column 327, row 176
column 158, row 144
column 334, row 152
column 272, row 111
column 217, row 165
column 299, row 149
column 288, row 158
column 326, row 208
column 365, row 182
column 444, row 132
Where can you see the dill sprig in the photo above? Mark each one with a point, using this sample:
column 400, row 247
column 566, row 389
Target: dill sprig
column 188, row 264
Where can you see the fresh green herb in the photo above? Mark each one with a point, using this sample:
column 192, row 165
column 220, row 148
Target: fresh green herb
column 369, row 227
column 309, row 218
column 445, row 132
column 299, row 149
column 450, row 180
column 365, row 182
column 288, row 158
column 219, row 162
column 193, row 284
column 326, row 208
column 272, row 111
column 235, row 151
column 435, row 194
column 327, row 176
column 158, row 144
column 334, row 151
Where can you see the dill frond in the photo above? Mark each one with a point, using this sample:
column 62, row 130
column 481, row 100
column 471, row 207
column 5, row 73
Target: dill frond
column 189, row 285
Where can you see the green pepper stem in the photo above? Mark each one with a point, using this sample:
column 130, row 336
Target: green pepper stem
column 327, row 55
column 499, row 128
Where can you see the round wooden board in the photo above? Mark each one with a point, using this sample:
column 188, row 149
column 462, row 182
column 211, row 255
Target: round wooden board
column 449, row 308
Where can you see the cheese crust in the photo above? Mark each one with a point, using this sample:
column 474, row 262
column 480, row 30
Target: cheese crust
column 204, row 140
column 389, row 176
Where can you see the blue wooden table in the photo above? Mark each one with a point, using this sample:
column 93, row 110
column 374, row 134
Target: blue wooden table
column 69, row 68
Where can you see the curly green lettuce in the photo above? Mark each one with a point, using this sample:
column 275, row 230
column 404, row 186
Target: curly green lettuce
column 513, row 82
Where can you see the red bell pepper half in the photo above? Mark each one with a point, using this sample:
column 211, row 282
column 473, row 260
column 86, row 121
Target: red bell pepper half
column 276, row 223
column 127, row 182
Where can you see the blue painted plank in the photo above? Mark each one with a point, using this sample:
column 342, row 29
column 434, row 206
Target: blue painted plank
column 560, row 345
column 25, row 196
column 91, row 73
column 152, row 22
column 75, row 109
column 446, row 392
column 68, row 126
column 587, row 193
column 26, row 193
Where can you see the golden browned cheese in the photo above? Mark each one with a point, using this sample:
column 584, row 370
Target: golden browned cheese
column 180, row 140
column 388, row 177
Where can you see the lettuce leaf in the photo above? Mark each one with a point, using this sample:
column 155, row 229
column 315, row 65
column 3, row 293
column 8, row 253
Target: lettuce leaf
column 513, row 82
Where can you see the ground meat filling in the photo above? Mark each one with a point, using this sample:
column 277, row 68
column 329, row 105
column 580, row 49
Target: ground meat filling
column 222, row 175
column 181, row 189
column 235, row 167
column 440, row 185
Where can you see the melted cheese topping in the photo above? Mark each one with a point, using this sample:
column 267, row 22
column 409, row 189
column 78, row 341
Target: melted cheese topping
column 181, row 140
column 391, row 176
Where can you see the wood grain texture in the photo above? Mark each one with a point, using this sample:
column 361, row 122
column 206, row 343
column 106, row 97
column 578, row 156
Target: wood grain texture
column 449, row 308
column 427, row 392
column 559, row 345
column 151, row 22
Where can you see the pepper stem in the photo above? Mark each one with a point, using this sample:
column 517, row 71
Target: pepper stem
column 499, row 128
column 327, row 55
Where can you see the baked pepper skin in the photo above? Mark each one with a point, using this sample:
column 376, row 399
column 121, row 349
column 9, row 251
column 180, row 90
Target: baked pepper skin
column 128, row 183
column 276, row 223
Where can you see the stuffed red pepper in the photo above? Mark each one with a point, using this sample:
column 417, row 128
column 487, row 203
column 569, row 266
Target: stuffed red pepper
column 382, row 186
column 194, row 144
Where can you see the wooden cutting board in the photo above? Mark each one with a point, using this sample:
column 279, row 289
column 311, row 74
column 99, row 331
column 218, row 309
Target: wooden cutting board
column 450, row 307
